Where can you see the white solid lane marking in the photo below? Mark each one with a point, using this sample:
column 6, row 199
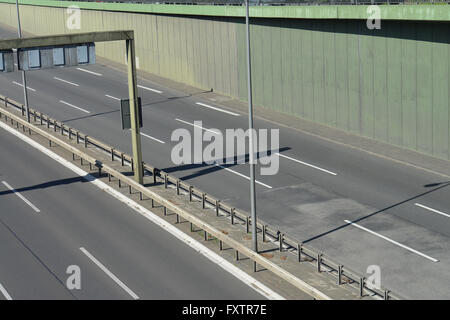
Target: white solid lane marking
column 433, row 210
column 71, row 105
column 393, row 241
column 307, row 164
column 19, row 84
column 197, row 126
column 217, row 109
column 65, row 81
column 91, row 72
column 150, row 137
column 17, row 193
column 180, row 235
column 107, row 95
column 243, row 176
column 5, row 293
column 149, row 89
column 109, row 273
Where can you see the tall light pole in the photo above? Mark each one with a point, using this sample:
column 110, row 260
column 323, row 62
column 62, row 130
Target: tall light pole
column 24, row 78
column 250, row 136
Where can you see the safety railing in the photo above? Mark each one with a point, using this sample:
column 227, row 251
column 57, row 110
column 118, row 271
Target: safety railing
column 303, row 252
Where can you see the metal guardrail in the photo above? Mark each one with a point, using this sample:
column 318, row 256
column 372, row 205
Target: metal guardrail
column 273, row 2
column 304, row 252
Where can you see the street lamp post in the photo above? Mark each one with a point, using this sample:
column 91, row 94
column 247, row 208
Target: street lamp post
column 24, row 77
column 250, row 136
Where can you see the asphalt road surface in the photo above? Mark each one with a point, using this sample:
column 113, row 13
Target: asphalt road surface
column 400, row 214
column 55, row 219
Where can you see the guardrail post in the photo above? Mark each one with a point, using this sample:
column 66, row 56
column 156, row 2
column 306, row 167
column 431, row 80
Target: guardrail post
column 220, row 245
column 140, row 196
column 165, row 211
column 40, row 117
column 247, row 224
column 232, row 216
column 22, row 109
column 217, row 207
column 191, row 226
column 70, row 133
column 254, row 266
column 264, row 233
column 154, row 176
column 86, row 141
column 54, row 126
column 153, row 203
column 340, row 274
column 319, row 262
column 190, row 193
column 109, row 177
column 122, row 162
column 280, row 239
column 48, row 123
column 120, row 183
column 112, row 154
column 178, row 218
column 299, row 252
column 165, row 180
column 203, row 200
column 178, row 186
column 62, row 129
column 129, row 189
column 386, row 294
column 237, row 255
column 361, row 287
column 49, row 143
column 206, row 235
column 34, row 116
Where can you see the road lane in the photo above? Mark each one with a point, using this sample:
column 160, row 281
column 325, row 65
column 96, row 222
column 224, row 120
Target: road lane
column 76, row 214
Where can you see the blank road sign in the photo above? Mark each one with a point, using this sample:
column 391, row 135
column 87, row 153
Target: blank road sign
column 82, row 54
column 126, row 115
column 34, row 58
column 58, row 57
column 6, row 61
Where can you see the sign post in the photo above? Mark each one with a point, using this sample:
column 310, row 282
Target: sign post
column 134, row 112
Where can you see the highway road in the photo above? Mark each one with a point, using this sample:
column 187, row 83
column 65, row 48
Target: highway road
column 400, row 214
column 51, row 218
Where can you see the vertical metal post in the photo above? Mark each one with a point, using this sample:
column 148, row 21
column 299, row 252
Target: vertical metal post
column 24, row 77
column 250, row 127
column 134, row 112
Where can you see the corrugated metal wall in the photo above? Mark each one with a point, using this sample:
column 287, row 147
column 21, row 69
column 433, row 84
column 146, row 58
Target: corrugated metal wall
column 390, row 84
